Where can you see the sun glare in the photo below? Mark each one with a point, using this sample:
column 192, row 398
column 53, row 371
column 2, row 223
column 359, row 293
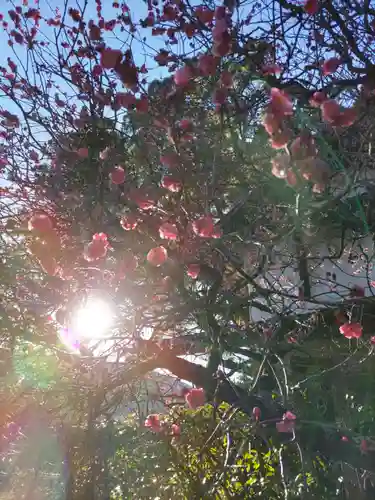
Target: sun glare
column 93, row 320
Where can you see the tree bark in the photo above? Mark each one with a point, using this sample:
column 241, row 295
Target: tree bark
column 224, row 390
column 328, row 444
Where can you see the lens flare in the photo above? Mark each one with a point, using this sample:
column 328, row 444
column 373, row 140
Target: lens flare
column 69, row 339
column 93, row 320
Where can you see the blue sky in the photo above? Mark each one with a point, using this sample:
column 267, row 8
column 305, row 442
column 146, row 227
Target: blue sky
column 144, row 46
column 141, row 50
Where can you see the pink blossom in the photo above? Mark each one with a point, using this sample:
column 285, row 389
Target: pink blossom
column 40, row 222
column 125, row 99
column 363, row 446
column 83, row 152
column 142, row 199
column 303, row 146
column 193, row 270
column 351, row 330
column 183, row 76
column 271, row 123
column 288, row 422
column 267, row 332
column 219, row 96
column 100, row 237
column 311, row 7
column 318, row 188
column 150, row 19
column 372, row 340
column 186, row 137
column 285, row 426
column 129, row 222
column 145, row 203
column 95, row 33
column 34, row 155
column 185, row 124
column 220, row 12
column 222, row 48
column 176, row 430
column 330, row 65
column 347, row 117
column 257, row 413
column 96, row 250
column 280, row 139
column 98, row 247
column 357, row 291
column 170, row 13
column 317, row 99
column 157, row 256
column 226, row 79
column 109, row 58
column 153, row 423
column 142, row 104
column 172, row 184
column 271, row 69
column 103, row 155
column 314, row 169
column 204, row 227
column 218, row 233
column 289, row 416
column 195, row 398
column 117, row 175
column 126, row 265
column 204, row 14
column 168, row 231
column 162, row 57
column 333, row 114
column 207, row 64
column 170, row 160
column 281, row 103
column 330, row 110
column 11, row 121
column 221, row 27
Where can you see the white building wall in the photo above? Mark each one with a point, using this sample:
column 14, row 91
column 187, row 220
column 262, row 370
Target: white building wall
column 331, row 279
column 153, row 394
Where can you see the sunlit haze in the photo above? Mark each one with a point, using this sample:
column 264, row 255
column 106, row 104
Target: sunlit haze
column 93, row 320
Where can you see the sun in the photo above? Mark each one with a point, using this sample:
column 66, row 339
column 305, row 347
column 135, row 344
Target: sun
column 93, row 320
